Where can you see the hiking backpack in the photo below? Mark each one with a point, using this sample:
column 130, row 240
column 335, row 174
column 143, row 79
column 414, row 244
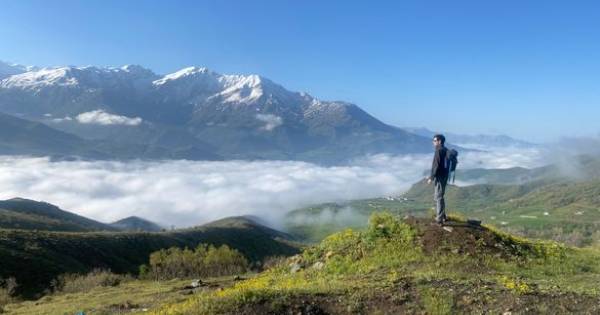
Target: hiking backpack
column 451, row 162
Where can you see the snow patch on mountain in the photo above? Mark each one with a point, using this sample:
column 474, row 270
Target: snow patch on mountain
column 182, row 74
column 100, row 117
column 318, row 107
column 240, row 89
column 88, row 77
column 34, row 80
column 200, row 84
column 271, row 121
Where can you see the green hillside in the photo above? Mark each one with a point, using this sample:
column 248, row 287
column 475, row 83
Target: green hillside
column 394, row 266
column 416, row 267
column 34, row 258
column 248, row 222
column 134, row 223
column 19, row 213
column 130, row 297
column 581, row 167
column 545, row 206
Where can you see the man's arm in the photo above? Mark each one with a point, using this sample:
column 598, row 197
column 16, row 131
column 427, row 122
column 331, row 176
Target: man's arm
column 435, row 165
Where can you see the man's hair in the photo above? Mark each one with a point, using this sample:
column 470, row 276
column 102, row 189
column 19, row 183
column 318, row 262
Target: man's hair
column 440, row 137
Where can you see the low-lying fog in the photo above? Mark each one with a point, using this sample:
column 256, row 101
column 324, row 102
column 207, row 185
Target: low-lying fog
column 187, row 193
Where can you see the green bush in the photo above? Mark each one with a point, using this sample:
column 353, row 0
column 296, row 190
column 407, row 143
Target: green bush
column 386, row 225
column 204, row 261
column 388, row 242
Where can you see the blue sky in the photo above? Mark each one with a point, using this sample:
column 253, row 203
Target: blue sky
column 529, row 69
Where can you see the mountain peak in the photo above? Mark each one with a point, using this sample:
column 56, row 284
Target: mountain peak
column 136, row 69
column 184, row 73
column 135, row 223
column 41, row 78
column 242, row 88
column 73, row 76
column 30, row 214
column 207, row 107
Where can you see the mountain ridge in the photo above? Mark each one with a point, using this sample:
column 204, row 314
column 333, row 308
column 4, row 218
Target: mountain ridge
column 239, row 116
column 20, row 213
column 36, row 257
column 476, row 139
column 19, row 136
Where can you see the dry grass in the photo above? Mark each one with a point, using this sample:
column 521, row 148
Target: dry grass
column 72, row 283
column 131, row 297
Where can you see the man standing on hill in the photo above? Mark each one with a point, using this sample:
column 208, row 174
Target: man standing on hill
column 439, row 177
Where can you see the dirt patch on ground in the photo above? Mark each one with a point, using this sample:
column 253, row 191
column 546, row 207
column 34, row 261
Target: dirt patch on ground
column 478, row 297
column 464, row 238
column 397, row 299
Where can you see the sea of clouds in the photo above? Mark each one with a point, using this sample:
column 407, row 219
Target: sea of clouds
column 186, row 193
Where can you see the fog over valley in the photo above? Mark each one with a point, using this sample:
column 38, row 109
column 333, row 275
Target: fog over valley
column 186, row 193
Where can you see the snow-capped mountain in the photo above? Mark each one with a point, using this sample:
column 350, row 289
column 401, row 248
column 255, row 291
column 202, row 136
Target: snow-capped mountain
column 23, row 137
column 240, row 116
column 6, row 69
column 78, row 77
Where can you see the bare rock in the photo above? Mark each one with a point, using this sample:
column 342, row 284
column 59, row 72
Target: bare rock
column 295, row 267
column 318, row 265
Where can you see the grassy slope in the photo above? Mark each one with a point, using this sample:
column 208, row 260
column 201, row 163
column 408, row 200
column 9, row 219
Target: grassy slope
column 414, row 267
column 564, row 210
column 36, row 257
column 577, row 167
column 19, row 213
column 393, row 267
column 130, row 297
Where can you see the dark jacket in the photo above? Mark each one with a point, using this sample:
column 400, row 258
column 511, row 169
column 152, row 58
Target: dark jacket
column 438, row 166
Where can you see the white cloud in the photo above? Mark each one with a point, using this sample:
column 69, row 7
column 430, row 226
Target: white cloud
column 346, row 216
column 504, row 157
column 100, row 117
column 271, row 121
column 67, row 118
column 186, row 193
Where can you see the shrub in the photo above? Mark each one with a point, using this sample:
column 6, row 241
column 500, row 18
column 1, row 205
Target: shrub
column 144, row 271
column 516, row 285
column 204, row 261
column 388, row 242
column 273, row 261
column 7, row 291
column 71, row 283
column 385, row 225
